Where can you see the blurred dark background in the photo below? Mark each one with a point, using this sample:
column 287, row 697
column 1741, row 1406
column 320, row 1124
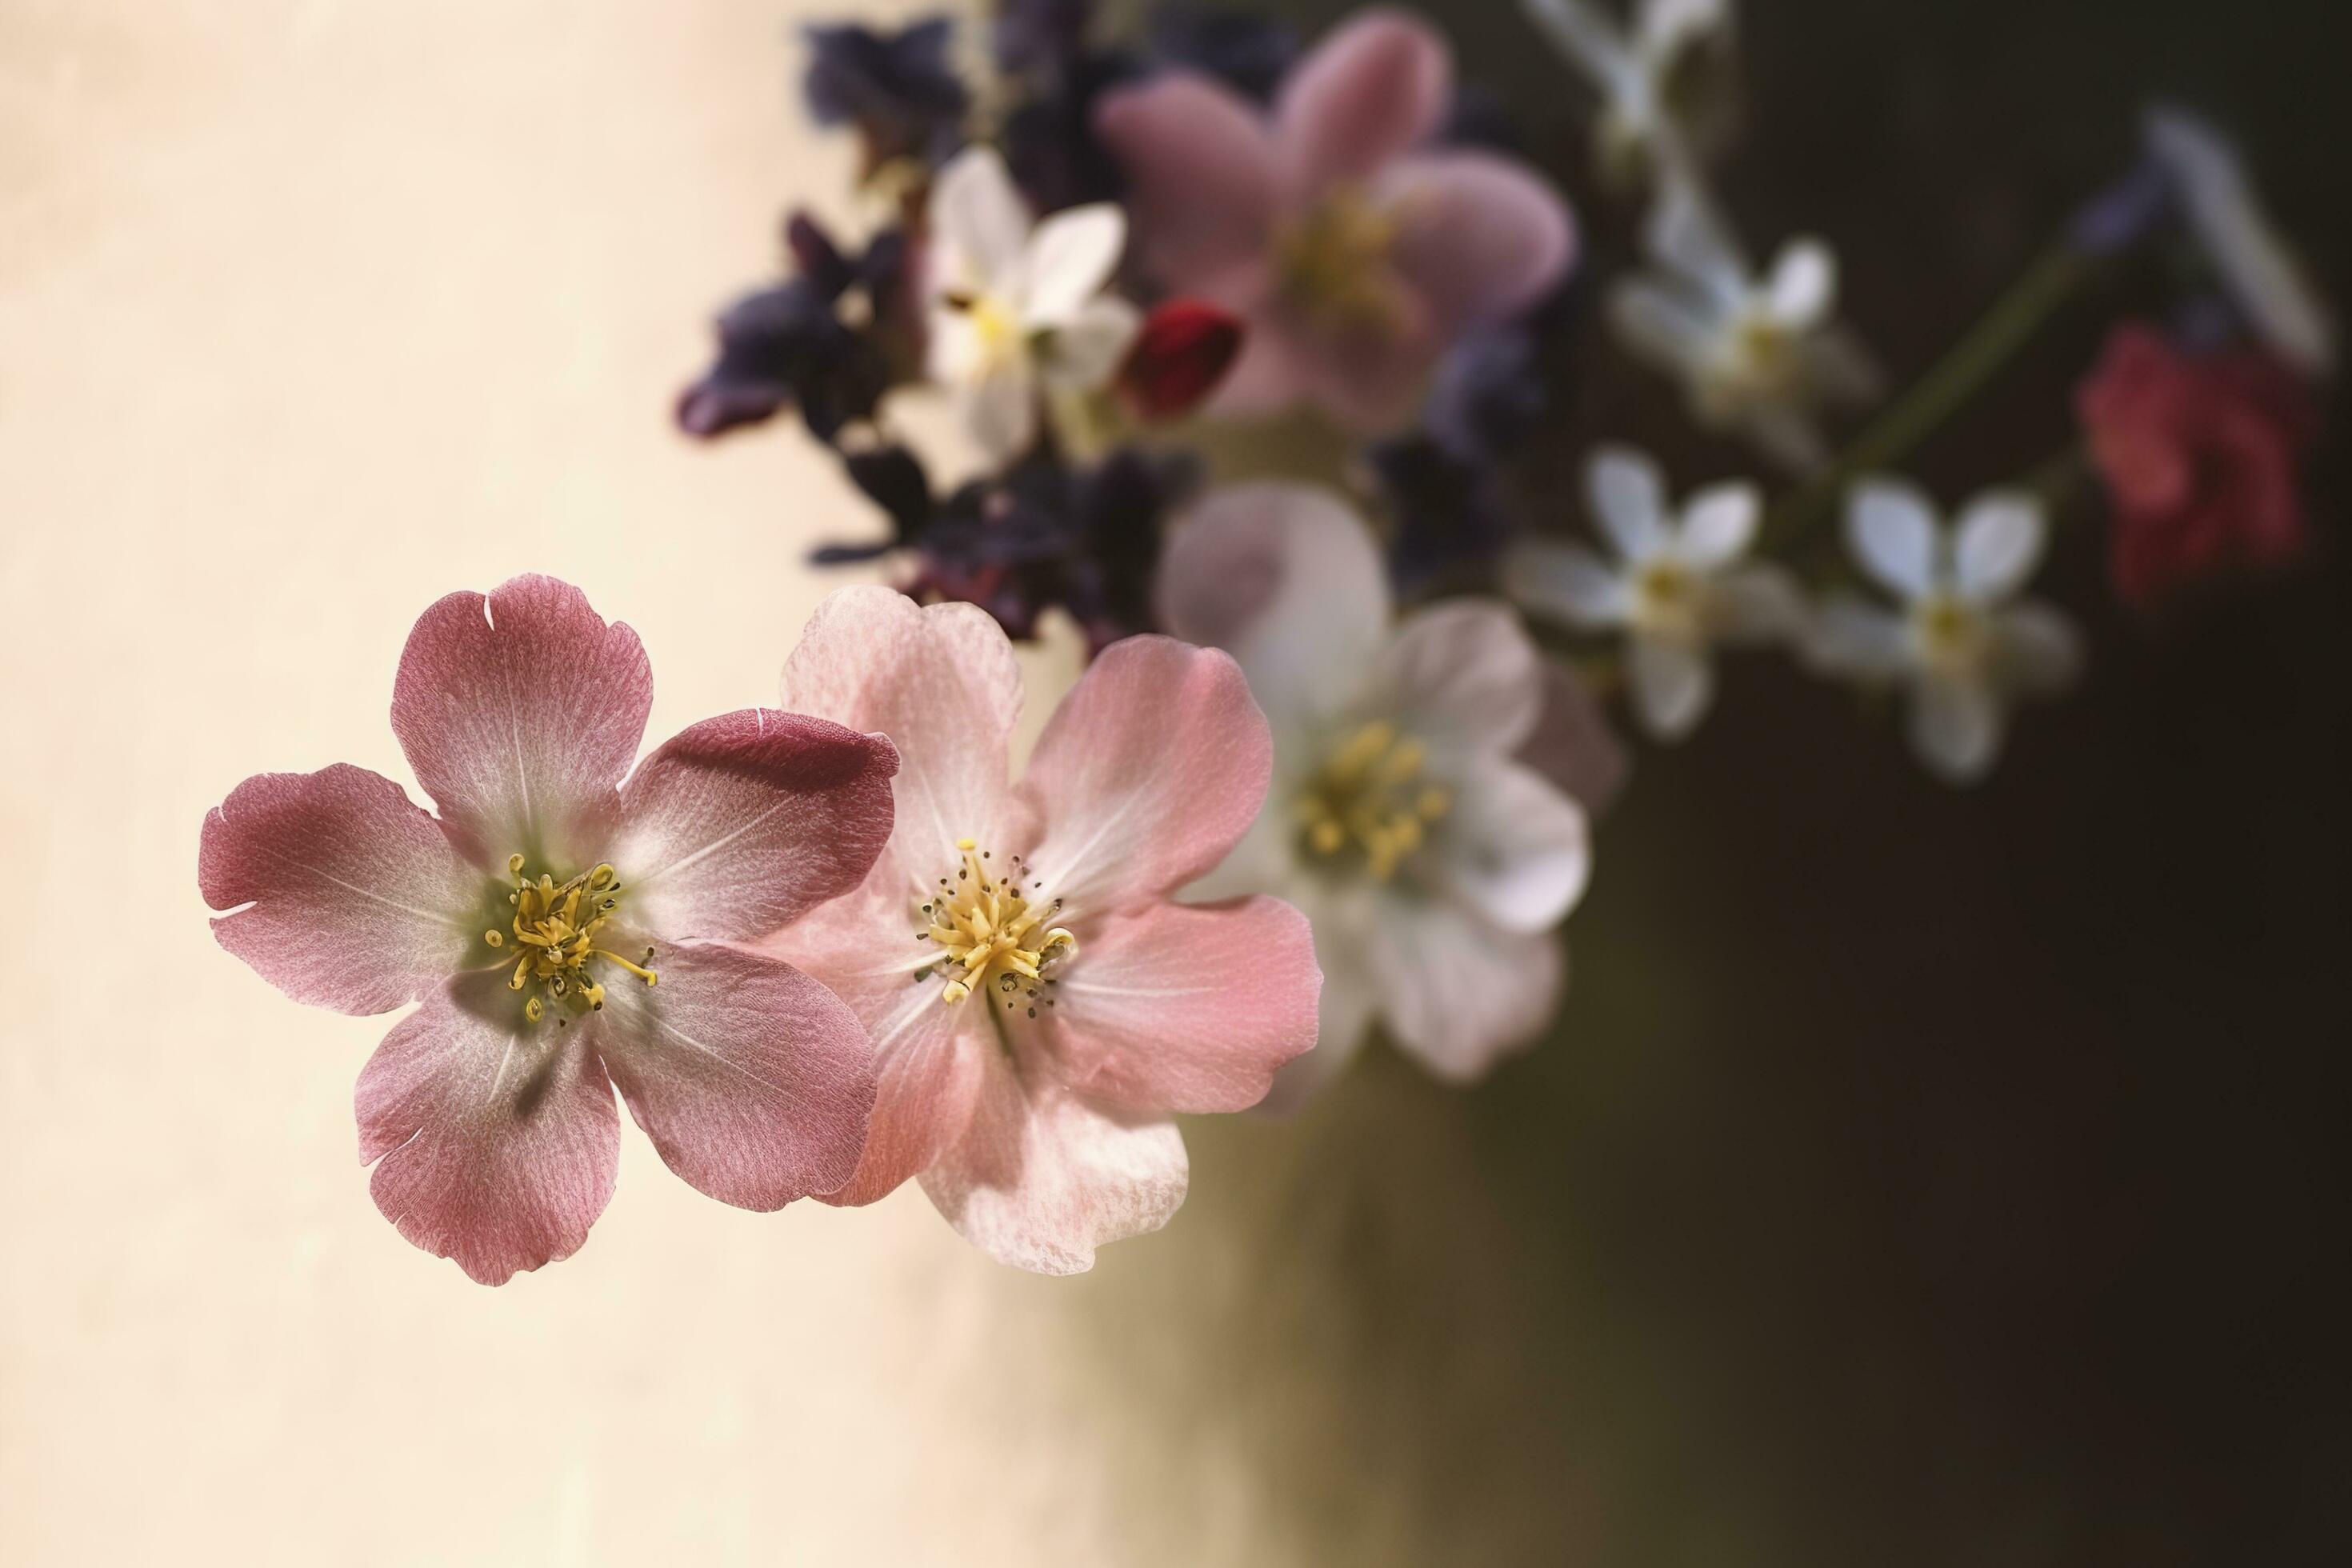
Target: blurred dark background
column 1918, row 1176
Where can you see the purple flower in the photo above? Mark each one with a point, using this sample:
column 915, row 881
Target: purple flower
column 1355, row 251
column 899, row 90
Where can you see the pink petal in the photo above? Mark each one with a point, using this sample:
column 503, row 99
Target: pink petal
column 1465, row 673
column 1286, row 578
column 1460, row 995
column 520, row 712
column 928, row 1055
column 1372, row 382
column 357, row 900
column 1273, row 374
column 1200, row 174
column 754, row 1081
column 1149, row 772
column 742, row 824
column 941, row 683
column 1372, row 89
column 1480, row 237
column 492, row 1148
column 1573, row 746
column 1189, row 1009
column 1043, row 1177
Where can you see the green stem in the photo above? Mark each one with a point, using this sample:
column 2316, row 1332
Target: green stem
column 2004, row 329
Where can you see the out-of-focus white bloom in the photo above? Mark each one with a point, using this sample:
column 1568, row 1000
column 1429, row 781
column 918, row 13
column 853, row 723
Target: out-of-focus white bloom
column 2258, row 269
column 1640, row 70
column 1961, row 642
column 1015, row 309
column 1432, row 864
column 1758, row 354
column 1677, row 588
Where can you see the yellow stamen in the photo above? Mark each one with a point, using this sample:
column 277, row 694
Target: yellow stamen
column 1333, row 263
column 556, row 927
column 1370, row 799
column 990, row 932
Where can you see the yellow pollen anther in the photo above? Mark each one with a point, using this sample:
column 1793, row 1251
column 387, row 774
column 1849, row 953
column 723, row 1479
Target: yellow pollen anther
column 1333, row 262
column 1370, row 798
column 555, row 927
column 988, row 930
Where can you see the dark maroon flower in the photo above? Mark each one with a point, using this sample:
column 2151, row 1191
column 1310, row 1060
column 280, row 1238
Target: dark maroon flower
column 1183, row 352
column 2200, row 457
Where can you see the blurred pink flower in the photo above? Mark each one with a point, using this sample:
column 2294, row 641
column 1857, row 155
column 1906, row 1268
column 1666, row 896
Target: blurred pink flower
column 2200, row 457
column 1038, row 1002
column 1354, row 250
column 543, row 882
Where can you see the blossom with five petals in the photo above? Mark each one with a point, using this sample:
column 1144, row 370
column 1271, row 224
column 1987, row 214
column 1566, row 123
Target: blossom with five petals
column 1039, row 1003
column 566, row 931
column 1015, row 310
column 1961, row 642
column 1355, row 252
column 1434, row 863
column 1678, row 588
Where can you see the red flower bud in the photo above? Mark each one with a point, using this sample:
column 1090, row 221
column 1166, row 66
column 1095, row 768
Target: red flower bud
column 1182, row 351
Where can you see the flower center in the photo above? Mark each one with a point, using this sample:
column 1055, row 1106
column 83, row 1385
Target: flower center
column 1332, row 262
column 555, row 932
column 1370, row 799
column 996, row 332
column 1760, row 361
column 1950, row 633
column 1666, row 599
column 992, row 936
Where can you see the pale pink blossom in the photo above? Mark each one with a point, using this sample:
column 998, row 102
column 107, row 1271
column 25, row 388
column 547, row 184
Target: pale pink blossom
column 1434, row 862
column 1039, row 1003
column 566, row 932
column 1355, row 249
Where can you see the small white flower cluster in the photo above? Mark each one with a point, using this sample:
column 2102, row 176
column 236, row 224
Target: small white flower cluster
column 1680, row 585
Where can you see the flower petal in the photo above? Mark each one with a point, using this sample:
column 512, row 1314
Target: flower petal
column 1149, row 772
column 1086, row 350
column 1464, row 675
column 1043, row 1177
column 1955, row 726
column 1513, row 847
column 1672, row 683
column 2038, row 649
column 1663, row 327
column 1459, row 994
column 1858, row 640
column 1627, row 494
column 1480, row 237
column 354, row 897
column 1803, row 291
column 754, row 1081
column 1286, row 578
column 1891, row 528
column 495, row 1145
column 1997, row 543
column 1070, row 260
column 1718, row 524
column 1373, row 87
column 518, row 712
column 999, row 409
column 1571, row 584
column 1589, row 37
column 980, row 224
column 740, row 824
column 1573, row 745
column 1201, row 173
column 1686, row 234
column 1184, row 1009
column 1759, row 604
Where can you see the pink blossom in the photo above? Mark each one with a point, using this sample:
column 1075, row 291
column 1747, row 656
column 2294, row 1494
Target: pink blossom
column 1355, row 250
column 565, row 932
column 1038, row 1001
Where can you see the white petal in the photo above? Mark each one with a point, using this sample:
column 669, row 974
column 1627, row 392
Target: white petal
column 1463, row 675
column 1858, row 641
column 1085, row 352
column 1569, row 583
column 2261, row 273
column 1663, row 327
column 1286, row 578
column 999, row 408
column 1589, row 37
column 1458, row 994
column 978, row 215
column 1673, row 686
column 1628, row 498
column 1997, row 543
column 1513, row 848
column 1803, row 289
column 1071, row 257
column 1666, row 28
column 2036, row 650
column 1763, row 602
column 1891, row 528
column 1720, row 523
column 1689, row 235
column 1956, row 728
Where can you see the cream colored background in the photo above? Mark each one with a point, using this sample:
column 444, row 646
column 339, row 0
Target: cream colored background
column 312, row 310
